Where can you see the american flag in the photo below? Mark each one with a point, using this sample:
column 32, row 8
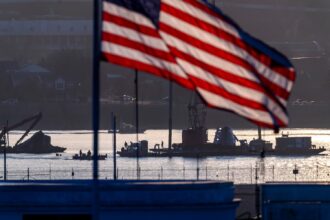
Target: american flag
column 194, row 44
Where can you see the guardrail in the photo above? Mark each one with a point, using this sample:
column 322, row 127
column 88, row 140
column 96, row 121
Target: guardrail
column 248, row 175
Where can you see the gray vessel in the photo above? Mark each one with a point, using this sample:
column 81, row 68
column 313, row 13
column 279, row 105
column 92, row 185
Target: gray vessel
column 126, row 128
column 224, row 144
column 195, row 143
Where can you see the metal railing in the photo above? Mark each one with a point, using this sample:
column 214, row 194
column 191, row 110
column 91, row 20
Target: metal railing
column 246, row 175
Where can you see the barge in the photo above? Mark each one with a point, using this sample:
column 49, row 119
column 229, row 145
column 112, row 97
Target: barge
column 195, row 144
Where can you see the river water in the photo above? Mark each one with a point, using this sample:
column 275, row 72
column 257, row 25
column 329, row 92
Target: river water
column 236, row 169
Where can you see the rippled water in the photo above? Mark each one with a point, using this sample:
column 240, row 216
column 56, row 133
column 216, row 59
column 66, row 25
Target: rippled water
column 237, row 169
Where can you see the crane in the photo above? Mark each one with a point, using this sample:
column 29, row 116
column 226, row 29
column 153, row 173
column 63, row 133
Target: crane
column 5, row 131
column 34, row 119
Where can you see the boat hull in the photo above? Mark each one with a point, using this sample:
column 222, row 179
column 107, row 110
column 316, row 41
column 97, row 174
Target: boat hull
column 88, row 157
column 211, row 150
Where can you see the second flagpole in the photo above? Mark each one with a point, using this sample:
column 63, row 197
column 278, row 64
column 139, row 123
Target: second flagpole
column 170, row 119
column 136, row 81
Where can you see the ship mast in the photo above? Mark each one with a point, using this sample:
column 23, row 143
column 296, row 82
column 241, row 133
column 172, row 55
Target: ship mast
column 197, row 113
column 259, row 132
column 196, row 133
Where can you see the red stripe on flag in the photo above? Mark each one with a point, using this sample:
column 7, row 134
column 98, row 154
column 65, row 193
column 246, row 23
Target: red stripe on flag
column 268, row 61
column 253, row 105
column 227, row 95
column 279, row 91
column 263, row 58
column 129, row 24
column 247, row 81
column 206, row 47
column 218, row 72
column 134, row 64
column 255, row 121
column 276, row 89
column 137, row 46
column 229, row 76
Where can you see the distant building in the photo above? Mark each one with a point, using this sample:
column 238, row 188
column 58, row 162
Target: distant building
column 45, row 36
column 30, row 72
column 32, row 29
column 60, row 84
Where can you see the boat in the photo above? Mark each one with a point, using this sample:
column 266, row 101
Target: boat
column 195, row 144
column 225, row 145
column 138, row 149
column 88, row 156
column 39, row 143
column 303, row 146
column 126, row 128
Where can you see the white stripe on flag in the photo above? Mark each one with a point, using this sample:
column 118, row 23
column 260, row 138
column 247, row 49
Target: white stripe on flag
column 200, row 47
column 221, row 102
column 227, row 46
column 208, row 58
column 233, row 88
column 133, row 35
column 195, row 12
column 127, row 14
column 142, row 57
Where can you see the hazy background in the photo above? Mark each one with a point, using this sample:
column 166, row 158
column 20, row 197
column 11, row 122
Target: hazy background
column 46, row 63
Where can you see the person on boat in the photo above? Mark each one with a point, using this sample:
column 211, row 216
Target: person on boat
column 80, row 153
column 89, row 153
column 162, row 144
column 125, row 144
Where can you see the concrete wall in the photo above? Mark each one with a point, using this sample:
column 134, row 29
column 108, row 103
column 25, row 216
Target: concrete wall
column 140, row 200
column 296, row 201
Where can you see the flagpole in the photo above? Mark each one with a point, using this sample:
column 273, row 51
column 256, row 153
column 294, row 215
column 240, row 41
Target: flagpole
column 96, row 104
column 114, row 128
column 137, row 123
column 5, row 153
column 170, row 110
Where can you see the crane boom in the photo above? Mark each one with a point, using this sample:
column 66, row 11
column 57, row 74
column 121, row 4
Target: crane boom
column 35, row 119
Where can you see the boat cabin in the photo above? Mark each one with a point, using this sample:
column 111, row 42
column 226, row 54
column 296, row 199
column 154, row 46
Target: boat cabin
column 294, row 142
